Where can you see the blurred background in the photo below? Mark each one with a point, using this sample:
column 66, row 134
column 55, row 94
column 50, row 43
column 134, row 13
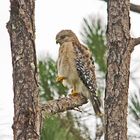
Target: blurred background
column 88, row 19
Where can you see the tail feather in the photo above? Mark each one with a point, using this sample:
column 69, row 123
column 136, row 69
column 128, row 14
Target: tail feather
column 96, row 105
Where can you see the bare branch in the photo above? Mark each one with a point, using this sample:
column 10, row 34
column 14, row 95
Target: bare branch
column 135, row 8
column 63, row 104
column 136, row 41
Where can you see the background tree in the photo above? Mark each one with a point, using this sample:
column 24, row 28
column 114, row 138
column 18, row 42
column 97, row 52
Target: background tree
column 120, row 46
column 93, row 35
column 21, row 29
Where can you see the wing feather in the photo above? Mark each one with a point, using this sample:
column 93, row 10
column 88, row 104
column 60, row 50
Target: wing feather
column 86, row 70
column 85, row 67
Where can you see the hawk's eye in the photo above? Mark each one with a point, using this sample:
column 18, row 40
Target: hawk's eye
column 63, row 36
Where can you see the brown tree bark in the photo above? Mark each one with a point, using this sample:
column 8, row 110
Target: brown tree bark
column 21, row 29
column 62, row 104
column 118, row 64
column 133, row 7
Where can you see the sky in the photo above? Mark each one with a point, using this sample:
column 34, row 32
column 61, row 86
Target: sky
column 51, row 17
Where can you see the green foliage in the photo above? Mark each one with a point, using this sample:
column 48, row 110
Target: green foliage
column 54, row 129
column 135, row 107
column 93, row 35
column 60, row 128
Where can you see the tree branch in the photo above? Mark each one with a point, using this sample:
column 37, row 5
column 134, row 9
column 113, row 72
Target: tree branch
column 136, row 41
column 133, row 7
column 62, row 104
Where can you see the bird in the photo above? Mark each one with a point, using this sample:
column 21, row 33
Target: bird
column 76, row 68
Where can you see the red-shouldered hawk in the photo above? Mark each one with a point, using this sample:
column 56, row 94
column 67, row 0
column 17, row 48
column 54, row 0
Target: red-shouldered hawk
column 76, row 67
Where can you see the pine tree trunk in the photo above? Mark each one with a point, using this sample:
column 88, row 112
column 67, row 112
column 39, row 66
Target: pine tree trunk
column 118, row 64
column 21, row 28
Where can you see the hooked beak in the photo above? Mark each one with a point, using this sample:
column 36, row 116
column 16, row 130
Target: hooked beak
column 57, row 40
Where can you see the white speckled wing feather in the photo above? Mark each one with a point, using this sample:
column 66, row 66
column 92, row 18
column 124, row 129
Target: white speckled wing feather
column 86, row 71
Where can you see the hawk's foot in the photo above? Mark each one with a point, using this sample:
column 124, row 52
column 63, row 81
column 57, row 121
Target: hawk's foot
column 74, row 93
column 60, row 78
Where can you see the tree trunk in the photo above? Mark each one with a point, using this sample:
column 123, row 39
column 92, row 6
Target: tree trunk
column 21, row 29
column 118, row 64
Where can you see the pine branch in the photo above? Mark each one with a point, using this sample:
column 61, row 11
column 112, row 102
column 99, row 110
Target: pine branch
column 62, row 104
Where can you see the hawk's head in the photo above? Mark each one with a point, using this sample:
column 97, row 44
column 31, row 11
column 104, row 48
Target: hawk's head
column 65, row 36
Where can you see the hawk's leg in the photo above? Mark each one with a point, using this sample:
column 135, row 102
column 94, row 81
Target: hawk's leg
column 74, row 92
column 60, row 78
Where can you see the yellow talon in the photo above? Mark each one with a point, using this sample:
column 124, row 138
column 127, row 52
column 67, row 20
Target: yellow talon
column 60, row 78
column 74, row 93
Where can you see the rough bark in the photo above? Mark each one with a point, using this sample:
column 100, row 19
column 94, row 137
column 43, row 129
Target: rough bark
column 21, row 29
column 63, row 104
column 133, row 7
column 118, row 64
